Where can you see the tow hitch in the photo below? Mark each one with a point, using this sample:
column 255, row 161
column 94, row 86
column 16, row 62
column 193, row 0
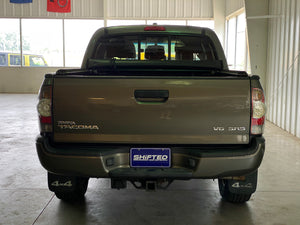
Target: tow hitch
column 148, row 185
column 152, row 185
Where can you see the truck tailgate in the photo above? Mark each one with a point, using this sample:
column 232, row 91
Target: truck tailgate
column 151, row 110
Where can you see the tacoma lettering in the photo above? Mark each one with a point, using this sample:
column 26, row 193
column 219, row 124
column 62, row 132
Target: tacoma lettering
column 79, row 127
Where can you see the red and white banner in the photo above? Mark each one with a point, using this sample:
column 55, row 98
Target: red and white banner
column 61, row 6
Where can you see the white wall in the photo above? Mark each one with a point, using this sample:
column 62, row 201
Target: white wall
column 219, row 7
column 257, row 29
column 22, row 79
column 283, row 66
column 233, row 5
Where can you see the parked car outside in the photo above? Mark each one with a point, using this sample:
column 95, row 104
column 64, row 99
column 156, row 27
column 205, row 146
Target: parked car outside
column 14, row 59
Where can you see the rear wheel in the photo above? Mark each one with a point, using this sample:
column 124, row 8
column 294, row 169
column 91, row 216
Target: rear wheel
column 228, row 195
column 238, row 191
column 68, row 188
column 78, row 192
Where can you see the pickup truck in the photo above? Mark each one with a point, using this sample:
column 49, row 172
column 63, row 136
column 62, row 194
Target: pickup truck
column 150, row 105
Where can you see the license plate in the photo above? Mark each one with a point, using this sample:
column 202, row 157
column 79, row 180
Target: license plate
column 150, row 157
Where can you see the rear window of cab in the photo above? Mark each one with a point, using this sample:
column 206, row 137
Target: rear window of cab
column 139, row 47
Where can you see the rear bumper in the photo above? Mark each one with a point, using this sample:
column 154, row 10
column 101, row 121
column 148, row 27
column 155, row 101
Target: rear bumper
column 114, row 161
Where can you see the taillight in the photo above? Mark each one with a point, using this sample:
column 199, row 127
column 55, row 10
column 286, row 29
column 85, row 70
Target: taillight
column 258, row 111
column 44, row 108
column 154, row 28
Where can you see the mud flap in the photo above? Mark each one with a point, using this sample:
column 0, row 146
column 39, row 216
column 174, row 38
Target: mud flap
column 57, row 183
column 247, row 186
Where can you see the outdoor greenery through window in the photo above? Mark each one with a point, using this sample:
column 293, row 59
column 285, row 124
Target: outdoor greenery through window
column 10, row 42
column 45, row 42
column 58, row 42
column 44, row 38
column 77, row 36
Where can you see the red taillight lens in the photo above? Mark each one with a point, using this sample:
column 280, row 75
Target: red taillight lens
column 47, row 120
column 44, row 108
column 258, row 111
column 154, row 28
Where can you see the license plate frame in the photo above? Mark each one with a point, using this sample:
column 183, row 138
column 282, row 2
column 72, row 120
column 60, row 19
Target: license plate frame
column 150, row 157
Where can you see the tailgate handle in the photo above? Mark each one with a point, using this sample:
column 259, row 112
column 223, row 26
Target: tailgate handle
column 148, row 96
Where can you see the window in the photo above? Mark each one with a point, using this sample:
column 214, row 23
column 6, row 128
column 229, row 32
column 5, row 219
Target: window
column 77, row 36
column 167, row 22
column 36, row 60
column 45, row 38
column 149, row 47
column 42, row 41
column 125, row 22
column 196, row 23
column 202, row 23
column 240, row 62
column 236, row 46
column 15, row 60
column 10, row 35
column 3, row 59
column 62, row 42
column 231, row 40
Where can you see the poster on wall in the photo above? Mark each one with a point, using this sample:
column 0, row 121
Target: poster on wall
column 60, row 6
column 20, row 1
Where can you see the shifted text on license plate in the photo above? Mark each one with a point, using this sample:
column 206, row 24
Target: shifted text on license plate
column 150, row 157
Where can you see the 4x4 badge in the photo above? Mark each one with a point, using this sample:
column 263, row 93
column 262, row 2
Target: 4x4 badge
column 66, row 184
column 238, row 185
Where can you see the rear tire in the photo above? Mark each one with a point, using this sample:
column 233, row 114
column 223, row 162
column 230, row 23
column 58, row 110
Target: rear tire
column 77, row 193
column 229, row 196
column 238, row 191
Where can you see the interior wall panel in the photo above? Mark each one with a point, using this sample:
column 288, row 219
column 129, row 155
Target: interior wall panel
column 271, row 70
column 233, row 5
column 294, row 70
column 297, row 70
column 179, row 6
column 283, row 65
column 159, row 9
column 188, row 8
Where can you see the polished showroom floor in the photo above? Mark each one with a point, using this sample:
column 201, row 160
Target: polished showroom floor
column 25, row 199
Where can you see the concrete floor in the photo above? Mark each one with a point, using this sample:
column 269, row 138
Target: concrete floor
column 25, row 199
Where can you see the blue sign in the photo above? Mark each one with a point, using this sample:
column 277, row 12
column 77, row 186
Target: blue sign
column 20, row 1
column 150, row 157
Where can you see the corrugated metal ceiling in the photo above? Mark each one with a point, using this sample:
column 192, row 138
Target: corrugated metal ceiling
column 115, row 9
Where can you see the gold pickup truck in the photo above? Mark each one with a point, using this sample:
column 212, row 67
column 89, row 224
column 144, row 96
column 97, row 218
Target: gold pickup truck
column 150, row 105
